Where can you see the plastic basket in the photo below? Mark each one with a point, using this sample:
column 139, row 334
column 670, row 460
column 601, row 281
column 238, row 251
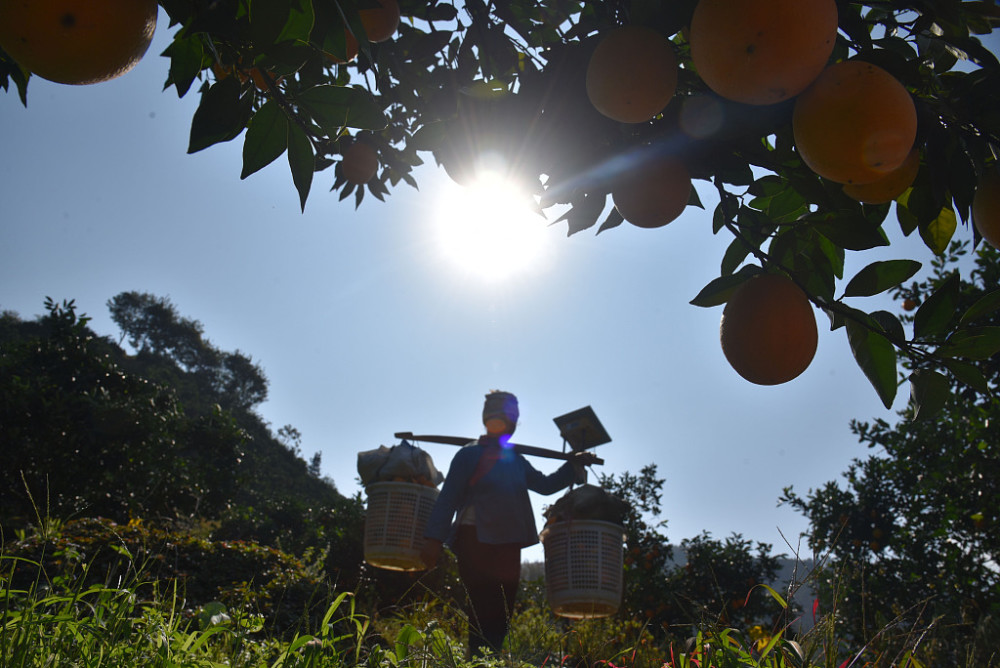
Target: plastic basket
column 583, row 567
column 394, row 524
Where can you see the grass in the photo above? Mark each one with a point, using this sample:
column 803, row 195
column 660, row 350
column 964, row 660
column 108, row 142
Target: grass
column 54, row 619
column 55, row 622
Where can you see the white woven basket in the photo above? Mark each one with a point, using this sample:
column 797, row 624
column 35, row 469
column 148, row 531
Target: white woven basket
column 394, row 524
column 583, row 567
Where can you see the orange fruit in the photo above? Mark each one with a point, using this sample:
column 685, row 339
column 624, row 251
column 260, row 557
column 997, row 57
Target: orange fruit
column 360, row 163
column 653, row 195
column 762, row 51
column 768, row 330
column 890, row 186
column 986, row 207
column 257, row 76
column 381, row 22
column 855, row 123
column 77, row 41
column 221, row 71
column 632, row 74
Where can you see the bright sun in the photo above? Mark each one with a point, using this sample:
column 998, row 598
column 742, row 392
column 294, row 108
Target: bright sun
column 489, row 230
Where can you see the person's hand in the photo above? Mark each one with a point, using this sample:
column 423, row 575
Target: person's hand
column 581, row 460
column 430, row 552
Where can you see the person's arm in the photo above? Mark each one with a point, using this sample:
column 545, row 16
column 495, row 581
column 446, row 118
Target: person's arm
column 570, row 473
column 447, row 504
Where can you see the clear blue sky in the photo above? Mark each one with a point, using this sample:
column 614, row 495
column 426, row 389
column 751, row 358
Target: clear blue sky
column 365, row 328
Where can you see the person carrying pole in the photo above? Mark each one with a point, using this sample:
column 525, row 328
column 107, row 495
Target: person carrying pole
column 484, row 514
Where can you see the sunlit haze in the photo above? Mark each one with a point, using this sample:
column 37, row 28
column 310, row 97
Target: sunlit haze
column 489, row 230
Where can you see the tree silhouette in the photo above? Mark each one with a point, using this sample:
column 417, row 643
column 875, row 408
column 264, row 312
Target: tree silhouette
column 910, row 533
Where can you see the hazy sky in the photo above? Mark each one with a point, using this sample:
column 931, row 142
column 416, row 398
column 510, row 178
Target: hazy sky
column 365, row 325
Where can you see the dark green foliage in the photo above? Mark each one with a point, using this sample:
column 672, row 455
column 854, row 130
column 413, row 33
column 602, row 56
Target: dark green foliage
column 711, row 581
column 912, row 529
column 165, row 435
column 83, row 436
column 255, row 579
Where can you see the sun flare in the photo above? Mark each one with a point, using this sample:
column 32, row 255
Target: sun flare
column 489, row 229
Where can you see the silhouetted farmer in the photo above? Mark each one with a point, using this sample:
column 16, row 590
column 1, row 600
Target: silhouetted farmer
column 484, row 514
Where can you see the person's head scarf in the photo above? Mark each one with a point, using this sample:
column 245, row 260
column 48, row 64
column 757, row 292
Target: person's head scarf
column 500, row 413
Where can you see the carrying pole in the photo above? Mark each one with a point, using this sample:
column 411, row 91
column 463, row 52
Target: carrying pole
column 519, row 448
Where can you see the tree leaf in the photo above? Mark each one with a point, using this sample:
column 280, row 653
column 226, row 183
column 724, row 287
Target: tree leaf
column 849, row 230
column 186, row 55
column 266, row 138
column 735, row 254
column 336, row 107
column 890, row 324
column 583, row 213
column 718, row 290
column 968, row 374
column 937, row 312
column 221, row 116
column 301, row 160
column 299, row 25
column 938, row 232
column 880, row 276
column 976, row 343
column 613, row 219
column 907, row 220
column 984, row 306
column 876, row 357
column 929, row 390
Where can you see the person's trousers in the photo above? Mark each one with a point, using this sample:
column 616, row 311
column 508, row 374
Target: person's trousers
column 491, row 575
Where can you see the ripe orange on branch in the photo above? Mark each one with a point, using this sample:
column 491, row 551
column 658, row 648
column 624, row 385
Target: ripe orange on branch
column 77, row 41
column 855, row 123
column 762, row 51
column 653, row 195
column 890, row 186
column 986, row 207
column 360, row 163
column 768, row 330
column 381, row 22
column 632, row 74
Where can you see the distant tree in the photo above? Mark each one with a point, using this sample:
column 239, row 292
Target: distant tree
column 82, row 436
column 316, row 464
column 716, row 584
column 153, row 326
column 911, row 533
column 155, row 329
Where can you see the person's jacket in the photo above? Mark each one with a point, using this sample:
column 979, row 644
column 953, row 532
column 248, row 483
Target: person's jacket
column 499, row 497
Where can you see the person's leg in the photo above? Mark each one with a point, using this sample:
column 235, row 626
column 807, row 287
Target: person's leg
column 490, row 574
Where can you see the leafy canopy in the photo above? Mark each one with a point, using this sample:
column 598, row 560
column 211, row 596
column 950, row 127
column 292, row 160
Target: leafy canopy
column 508, row 76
